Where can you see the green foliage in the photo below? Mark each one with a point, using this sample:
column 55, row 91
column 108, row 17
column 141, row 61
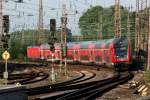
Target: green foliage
column 91, row 20
column 20, row 40
column 147, row 76
column 88, row 21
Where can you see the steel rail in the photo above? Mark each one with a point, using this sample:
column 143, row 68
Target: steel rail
column 49, row 88
column 94, row 89
column 76, row 86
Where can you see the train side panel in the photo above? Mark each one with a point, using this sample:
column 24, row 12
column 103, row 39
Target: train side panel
column 33, row 52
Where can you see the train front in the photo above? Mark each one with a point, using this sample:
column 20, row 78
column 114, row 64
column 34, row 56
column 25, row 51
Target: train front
column 122, row 52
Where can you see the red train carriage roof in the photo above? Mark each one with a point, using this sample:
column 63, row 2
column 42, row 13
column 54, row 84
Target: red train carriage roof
column 57, row 46
column 85, row 44
column 76, row 46
column 70, row 45
column 104, row 43
column 89, row 44
column 46, row 46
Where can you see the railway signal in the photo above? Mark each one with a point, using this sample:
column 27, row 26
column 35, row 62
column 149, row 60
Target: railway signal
column 6, row 23
column 51, row 43
column 5, row 36
column 6, row 56
column 52, row 25
column 63, row 38
column 5, row 39
column 52, row 38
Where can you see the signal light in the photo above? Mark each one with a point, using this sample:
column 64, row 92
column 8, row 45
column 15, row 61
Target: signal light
column 52, row 25
column 5, row 46
column 6, row 23
column 4, row 39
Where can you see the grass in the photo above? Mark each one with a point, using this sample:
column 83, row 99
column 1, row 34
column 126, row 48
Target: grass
column 147, row 76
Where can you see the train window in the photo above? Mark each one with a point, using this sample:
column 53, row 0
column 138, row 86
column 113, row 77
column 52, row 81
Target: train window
column 121, row 51
column 98, row 58
column 75, row 52
column 91, row 53
column 69, row 57
column 49, row 57
column 84, row 57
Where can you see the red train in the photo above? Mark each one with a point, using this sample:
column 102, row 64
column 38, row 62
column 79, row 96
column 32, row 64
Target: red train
column 116, row 52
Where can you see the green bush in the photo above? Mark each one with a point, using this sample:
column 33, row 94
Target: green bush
column 147, row 76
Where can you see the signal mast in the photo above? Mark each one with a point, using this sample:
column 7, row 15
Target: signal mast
column 148, row 65
column 40, row 22
column 63, row 37
column 1, row 20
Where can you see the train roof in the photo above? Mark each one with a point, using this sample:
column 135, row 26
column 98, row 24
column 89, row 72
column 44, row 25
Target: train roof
column 120, row 41
column 90, row 44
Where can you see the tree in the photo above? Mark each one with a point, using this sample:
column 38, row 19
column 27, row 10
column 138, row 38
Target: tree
column 89, row 21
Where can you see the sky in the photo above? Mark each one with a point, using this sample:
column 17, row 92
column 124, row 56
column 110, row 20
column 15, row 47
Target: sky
column 25, row 15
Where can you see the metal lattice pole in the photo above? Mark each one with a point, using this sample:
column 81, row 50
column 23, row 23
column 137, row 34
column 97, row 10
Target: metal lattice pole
column 40, row 21
column 117, row 19
column 148, row 65
column 100, row 25
column 137, row 28
column 64, row 37
column 128, row 24
column 1, row 19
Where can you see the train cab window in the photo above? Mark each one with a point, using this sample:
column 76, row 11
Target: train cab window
column 121, row 51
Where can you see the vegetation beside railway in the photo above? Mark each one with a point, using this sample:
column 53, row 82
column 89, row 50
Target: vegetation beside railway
column 91, row 20
column 147, row 76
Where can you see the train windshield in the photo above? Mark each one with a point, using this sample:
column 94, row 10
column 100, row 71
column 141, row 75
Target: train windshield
column 121, row 49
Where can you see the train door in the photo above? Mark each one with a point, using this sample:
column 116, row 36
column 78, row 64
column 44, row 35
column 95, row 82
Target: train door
column 70, row 55
column 75, row 55
column 78, row 55
column 56, row 55
column 103, row 57
column 106, row 57
column 91, row 55
column 84, row 55
column 97, row 56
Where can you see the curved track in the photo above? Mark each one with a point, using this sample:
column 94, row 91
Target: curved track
column 26, row 78
column 54, row 87
column 90, row 90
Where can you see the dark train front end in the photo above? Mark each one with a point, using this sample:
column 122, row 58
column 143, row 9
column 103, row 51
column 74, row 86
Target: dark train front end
column 122, row 53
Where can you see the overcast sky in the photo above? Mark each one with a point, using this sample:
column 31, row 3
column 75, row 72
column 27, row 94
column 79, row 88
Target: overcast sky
column 24, row 15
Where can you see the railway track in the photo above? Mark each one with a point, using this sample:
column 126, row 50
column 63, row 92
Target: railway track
column 89, row 90
column 54, row 87
column 26, row 78
column 17, row 65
